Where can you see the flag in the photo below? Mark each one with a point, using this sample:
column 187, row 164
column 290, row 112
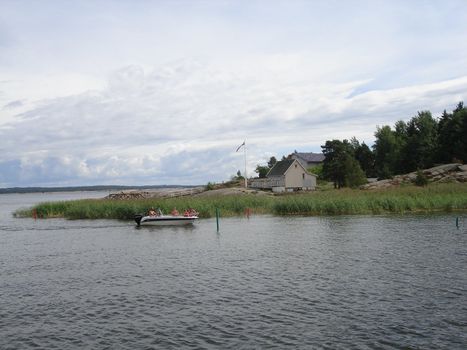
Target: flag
column 243, row 144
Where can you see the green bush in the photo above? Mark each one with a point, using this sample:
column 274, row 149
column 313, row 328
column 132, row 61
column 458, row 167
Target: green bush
column 421, row 179
column 317, row 170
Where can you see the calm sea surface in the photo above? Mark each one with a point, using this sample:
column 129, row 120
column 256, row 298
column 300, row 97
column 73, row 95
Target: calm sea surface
column 347, row 282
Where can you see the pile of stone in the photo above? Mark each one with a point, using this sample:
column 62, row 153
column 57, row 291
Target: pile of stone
column 443, row 173
column 126, row 195
column 162, row 193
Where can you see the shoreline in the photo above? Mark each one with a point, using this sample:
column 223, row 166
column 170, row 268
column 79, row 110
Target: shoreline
column 235, row 202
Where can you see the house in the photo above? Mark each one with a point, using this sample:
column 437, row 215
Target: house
column 308, row 159
column 286, row 175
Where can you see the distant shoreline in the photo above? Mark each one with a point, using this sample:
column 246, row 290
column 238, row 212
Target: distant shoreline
column 86, row 188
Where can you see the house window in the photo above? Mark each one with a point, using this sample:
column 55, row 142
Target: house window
column 303, row 176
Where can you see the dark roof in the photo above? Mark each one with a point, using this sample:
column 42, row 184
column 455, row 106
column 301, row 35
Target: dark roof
column 310, row 156
column 280, row 167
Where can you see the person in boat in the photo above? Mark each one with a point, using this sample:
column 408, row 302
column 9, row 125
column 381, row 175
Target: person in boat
column 175, row 212
column 190, row 212
column 152, row 212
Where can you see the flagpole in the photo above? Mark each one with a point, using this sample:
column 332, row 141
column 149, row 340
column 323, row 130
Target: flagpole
column 244, row 152
column 244, row 155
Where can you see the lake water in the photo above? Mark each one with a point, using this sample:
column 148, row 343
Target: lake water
column 347, row 282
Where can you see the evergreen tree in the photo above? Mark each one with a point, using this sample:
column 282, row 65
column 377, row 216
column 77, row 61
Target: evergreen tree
column 462, row 136
column 262, row 171
column 354, row 175
column 445, row 150
column 422, row 142
column 272, row 161
column 386, row 150
column 401, row 137
column 417, row 144
column 354, row 144
column 332, row 167
column 366, row 159
column 452, row 130
column 340, row 166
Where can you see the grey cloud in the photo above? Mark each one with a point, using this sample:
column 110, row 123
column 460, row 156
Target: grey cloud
column 48, row 171
column 14, row 104
column 197, row 166
column 181, row 123
column 182, row 168
column 9, row 172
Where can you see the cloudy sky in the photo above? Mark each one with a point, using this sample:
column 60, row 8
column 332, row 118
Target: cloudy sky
column 163, row 92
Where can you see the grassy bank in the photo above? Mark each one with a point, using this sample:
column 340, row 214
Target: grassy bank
column 441, row 197
column 126, row 209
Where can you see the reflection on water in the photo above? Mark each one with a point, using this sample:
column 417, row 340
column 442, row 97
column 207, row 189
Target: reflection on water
column 266, row 282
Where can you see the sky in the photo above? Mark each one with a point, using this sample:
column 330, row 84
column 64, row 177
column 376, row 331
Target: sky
column 136, row 92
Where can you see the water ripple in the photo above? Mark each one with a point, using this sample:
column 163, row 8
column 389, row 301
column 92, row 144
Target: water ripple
column 327, row 283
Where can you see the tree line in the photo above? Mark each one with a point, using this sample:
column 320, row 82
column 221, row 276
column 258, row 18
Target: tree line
column 420, row 143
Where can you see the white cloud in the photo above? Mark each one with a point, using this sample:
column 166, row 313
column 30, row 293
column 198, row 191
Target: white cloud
column 163, row 92
column 181, row 123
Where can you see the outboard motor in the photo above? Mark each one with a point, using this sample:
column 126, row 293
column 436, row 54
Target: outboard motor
column 138, row 218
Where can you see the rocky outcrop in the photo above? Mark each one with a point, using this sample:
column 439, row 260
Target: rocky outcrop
column 442, row 173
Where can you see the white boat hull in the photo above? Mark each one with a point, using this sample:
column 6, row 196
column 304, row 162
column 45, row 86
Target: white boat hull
column 164, row 220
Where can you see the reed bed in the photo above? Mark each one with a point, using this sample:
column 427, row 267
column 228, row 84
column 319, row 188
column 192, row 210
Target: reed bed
column 440, row 197
column 126, row 209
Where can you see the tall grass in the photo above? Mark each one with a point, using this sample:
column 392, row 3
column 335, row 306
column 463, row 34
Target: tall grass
column 126, row 209
column 442, row 197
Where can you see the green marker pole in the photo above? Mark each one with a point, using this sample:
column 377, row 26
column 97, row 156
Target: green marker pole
column 217, row 219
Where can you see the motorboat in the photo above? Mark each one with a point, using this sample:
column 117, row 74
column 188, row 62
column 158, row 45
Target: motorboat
column 163, row 220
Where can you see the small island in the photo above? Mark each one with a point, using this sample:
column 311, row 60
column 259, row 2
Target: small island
column 347, row 178
column 236, row 201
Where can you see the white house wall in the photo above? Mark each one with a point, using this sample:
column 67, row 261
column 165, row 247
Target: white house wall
column 294, row 176
column 310, row 181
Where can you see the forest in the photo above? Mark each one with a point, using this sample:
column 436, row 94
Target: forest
column 422, row 142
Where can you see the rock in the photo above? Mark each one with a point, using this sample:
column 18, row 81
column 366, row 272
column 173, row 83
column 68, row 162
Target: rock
column 446, row 179
column 445, row 167
column 164, row 193
column 128, row 195
column 454, row 172
column 461, row 176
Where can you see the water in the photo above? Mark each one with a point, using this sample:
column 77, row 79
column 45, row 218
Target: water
column 384, row 282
